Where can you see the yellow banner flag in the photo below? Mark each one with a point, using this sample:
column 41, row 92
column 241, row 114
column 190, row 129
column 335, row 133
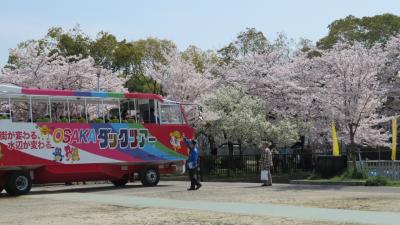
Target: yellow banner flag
column 394, row 137
column 335, row 143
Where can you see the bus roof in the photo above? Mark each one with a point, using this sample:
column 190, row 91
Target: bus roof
column 14, row 90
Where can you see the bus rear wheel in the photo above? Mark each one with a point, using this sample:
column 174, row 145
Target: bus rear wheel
column 18, row 183
column 150, row 177
column 119, row 183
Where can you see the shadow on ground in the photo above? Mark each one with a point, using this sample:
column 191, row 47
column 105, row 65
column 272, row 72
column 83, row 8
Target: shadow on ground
column 83, row 189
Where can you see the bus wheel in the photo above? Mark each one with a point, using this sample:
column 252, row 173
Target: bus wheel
column 1, row 189
column 119, row 183
column 150, row 177
column 18, row 183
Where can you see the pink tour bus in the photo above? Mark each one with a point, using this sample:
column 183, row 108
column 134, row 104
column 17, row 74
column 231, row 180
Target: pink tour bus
column 53, row 136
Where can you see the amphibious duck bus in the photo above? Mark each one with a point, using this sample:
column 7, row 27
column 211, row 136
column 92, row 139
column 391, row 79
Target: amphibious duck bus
column 52, row 136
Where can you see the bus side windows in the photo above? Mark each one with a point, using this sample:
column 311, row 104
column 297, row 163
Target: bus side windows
column 4, row 110
column 82, row 109
column 20, row 111
column 145, row 110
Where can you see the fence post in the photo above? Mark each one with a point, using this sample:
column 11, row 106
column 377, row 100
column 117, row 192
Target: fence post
column 379, row 153
column 392, row 174
column 229, row 166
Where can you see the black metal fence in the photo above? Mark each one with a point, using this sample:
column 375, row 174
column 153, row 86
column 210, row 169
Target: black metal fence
column 377, row 154
column 236, row 165
column 229, row 165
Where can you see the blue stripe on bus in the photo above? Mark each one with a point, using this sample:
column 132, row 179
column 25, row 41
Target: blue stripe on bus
column 82, row 93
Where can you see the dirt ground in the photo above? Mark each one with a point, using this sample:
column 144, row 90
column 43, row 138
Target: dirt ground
column 33, row 211
column 334, row 197
column 24, row 211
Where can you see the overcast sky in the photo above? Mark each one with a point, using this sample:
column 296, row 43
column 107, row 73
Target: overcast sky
column 208, row 24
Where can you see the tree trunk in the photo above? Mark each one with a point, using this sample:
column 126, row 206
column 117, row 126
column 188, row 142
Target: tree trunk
column 211, row 141
column 240, row 147
column 230, row 147
column 352, row 148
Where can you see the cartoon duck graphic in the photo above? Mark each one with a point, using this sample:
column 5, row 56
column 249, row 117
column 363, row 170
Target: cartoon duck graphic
column 44, row 131
column 175, row 139
column 75, row 154
column 58, row 155
column 68, row 153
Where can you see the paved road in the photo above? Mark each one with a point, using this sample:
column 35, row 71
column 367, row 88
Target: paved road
column 133, row 196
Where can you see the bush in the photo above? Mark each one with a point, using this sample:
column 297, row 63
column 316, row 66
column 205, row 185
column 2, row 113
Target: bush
column 113, row 121
column 314, row 176
column 97, row 120
column 4, row 117
column 64, row 120
column 131, row 121
column 78, row 120
column 354, row 174
column 377, row 181
column 43, row 120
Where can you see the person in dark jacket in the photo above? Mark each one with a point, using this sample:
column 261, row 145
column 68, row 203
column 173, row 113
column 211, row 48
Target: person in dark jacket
column 192, row 163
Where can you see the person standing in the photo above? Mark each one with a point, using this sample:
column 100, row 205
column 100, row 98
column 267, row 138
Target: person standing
column 192, row 163
column 266, row 164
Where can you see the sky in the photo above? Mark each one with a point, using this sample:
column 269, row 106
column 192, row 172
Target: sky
column 208, row 24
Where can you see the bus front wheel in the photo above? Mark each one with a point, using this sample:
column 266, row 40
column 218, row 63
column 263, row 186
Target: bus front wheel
column 18, row 183
column 150, row 177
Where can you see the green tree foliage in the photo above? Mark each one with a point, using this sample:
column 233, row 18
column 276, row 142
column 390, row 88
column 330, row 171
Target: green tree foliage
column 368, row 30
column 103, row 48
column 248, row 41
column 200, row 59
column 127, row 58
column 72, row 42
column 138, row 55
column 154, row 49
column 142, row 83
column 307, row 46
column 251, row 40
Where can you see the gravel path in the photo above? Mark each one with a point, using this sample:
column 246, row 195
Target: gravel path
column 29, row 211
column 271, row 210
column 215, row 203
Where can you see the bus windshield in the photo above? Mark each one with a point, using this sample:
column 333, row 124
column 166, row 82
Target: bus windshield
column 171, row 113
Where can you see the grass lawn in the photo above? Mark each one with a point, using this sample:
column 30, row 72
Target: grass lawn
column 358, row 177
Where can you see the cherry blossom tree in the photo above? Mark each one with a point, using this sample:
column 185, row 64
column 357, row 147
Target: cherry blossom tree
column 36, row 66
column 182, row 81
column 243, row 118
column 266, row 76
column 391, row 75
column 179, row 78
column 344, row 85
